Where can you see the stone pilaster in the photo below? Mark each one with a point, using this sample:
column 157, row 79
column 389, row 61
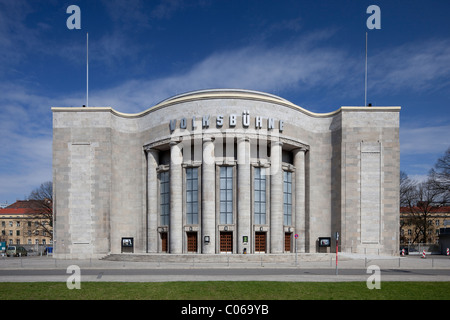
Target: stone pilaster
column 243, row 194
column 300, row 218
column 276, row 198
column 152, row 201
column 176, row 199
column 208, row 197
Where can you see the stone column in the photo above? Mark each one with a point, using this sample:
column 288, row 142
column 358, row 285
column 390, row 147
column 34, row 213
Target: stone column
column 208, row 197
column 299, row 163
column 152, row 201
column 243, row 194
column 176, row 198
column 276, row 198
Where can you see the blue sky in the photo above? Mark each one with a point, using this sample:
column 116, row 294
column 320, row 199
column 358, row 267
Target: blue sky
column 311, row 53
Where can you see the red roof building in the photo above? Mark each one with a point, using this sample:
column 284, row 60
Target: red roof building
column 26, row 222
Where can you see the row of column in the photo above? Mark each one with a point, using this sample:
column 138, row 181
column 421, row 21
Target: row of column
column 208, row 197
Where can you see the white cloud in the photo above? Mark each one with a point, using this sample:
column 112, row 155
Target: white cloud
column 418, row 177
column 419, row 66
column 294, row 66
column 424, row 140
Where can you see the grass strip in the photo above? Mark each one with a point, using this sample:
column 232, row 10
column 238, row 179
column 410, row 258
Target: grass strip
column 225, row 290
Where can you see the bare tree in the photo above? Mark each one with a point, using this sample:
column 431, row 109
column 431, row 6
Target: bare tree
column 43, row 206
column 421, row 204
column 407, row 189
column 440, row 177
column 407, row 200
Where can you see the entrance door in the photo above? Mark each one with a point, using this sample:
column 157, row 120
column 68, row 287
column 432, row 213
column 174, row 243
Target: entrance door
column 287, row 242
column 163, row 241
column 226, row 242
column 260, row 242
column 192, row 241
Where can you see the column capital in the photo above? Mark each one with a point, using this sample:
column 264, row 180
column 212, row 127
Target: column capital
column 274, row 143
column 300, row 149
column 243, row 139
column 152, row 151
column 208, row 139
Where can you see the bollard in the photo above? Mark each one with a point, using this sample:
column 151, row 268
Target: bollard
column 423, row 254
column 448, row 253
column 403, row 252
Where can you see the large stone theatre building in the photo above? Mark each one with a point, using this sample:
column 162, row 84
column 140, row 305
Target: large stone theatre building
column 225, row 171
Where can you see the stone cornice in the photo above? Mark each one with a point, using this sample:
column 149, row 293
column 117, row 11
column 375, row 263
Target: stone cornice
column 225, row 94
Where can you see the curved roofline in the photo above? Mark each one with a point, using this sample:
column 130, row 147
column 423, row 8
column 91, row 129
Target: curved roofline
column 222, row 94
column 190, row 93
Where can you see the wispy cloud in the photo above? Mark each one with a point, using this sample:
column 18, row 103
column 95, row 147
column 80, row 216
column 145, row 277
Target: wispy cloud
column 294, row 66
column 424, row 140
column 420, row 66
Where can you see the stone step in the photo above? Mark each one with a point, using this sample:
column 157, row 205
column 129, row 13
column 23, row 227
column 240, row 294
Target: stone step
column 219, row 258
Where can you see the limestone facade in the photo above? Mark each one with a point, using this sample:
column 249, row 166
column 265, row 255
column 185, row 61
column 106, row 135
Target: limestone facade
column 225, row 171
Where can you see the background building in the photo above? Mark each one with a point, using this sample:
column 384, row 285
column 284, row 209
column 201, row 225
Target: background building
column 421, row 227
column 225, row 171
column 26, row 223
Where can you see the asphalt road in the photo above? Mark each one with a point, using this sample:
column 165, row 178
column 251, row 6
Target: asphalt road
column 30, row 269
column 223, row 274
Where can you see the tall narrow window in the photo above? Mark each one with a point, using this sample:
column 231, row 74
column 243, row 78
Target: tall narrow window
column 164, row 192
column 226, row 195
column 192, row 195
column 260, row 195
column 287, row 197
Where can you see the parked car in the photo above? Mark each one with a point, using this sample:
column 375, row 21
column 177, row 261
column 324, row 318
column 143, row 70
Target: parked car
column 16, row 251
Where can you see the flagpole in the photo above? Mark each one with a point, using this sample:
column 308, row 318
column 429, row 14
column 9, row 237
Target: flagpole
column 87, row 69
column 365, row 80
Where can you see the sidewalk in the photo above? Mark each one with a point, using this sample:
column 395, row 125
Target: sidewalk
column 309, row 268
column 320, row 261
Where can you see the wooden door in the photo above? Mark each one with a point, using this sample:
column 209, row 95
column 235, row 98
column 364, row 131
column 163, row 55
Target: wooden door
column 226, row 242
column 163, row 241
column 287, row 242
column 192, row 241
column 260, row 242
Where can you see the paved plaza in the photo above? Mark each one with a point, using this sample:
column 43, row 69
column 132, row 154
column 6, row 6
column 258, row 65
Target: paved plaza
column 157, row 268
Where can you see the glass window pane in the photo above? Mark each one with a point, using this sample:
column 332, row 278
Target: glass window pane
column 223, row 183
column 229, row 183
column 189, row 173
column 195, row 184
column 263, row 207
column 195, row 208
column 229, row 207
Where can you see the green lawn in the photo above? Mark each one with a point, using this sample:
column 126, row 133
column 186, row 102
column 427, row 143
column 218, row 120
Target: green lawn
column 217, row 290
